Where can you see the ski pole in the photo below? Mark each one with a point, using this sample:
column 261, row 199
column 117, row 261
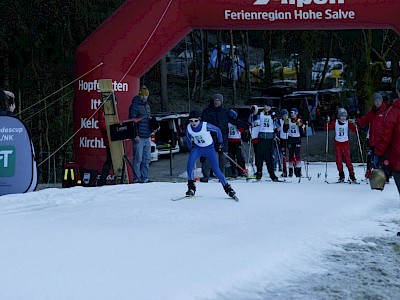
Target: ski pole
column 250, row 158
column 237, row 165
column 359, row 145
column 326, row 152
column 278, row 150
column 307, row 150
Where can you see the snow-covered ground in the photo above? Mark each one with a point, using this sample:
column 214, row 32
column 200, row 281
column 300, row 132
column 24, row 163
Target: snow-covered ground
column 133, row 242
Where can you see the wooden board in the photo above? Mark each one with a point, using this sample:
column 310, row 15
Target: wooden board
column 117, row 148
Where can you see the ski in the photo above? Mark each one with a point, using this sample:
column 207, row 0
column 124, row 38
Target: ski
column 354, row 182
column 184, row 197
column 335, row 182
column 269, row 180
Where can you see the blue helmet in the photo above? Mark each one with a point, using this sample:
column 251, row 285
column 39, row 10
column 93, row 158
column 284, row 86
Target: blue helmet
column 234, row 113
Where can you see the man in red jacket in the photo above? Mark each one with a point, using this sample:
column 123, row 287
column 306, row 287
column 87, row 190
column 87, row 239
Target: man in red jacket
column 389, row 138
column 374, row 118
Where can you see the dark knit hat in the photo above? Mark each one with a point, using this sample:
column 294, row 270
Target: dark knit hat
column 284, row 112
column 268, row 102
column 144, row 91
column 377, row 96
column 218, row 97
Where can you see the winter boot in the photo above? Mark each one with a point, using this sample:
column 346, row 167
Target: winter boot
column 204, row 179
column 297, row 172
column 341, row 177
column 290, row 172
column 284, row 174
column 258, row 175
column 191, row 188
column 353, row 177
column 228, row 189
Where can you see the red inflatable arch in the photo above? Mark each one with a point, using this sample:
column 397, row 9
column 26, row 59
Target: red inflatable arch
column 140, row 32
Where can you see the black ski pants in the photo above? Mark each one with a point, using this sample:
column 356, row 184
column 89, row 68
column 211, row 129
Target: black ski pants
column 265, row 153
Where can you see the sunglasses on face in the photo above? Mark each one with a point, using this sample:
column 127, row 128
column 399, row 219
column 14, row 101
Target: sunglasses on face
column 194, row 120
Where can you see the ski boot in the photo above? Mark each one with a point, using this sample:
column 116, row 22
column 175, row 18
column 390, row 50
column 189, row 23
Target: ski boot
column 341, row 177
column 191, row 189
column 352, row 177
column 258, row 175
column 228, row 189
column 290, row 172
column 297, row 172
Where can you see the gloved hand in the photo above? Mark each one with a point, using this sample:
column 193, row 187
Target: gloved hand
column 220, row 148
column 328, row 119
column 298, row 123
column 286, row 121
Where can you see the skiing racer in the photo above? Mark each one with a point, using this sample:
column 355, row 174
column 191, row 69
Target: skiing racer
column 200, row 143
column 342, row 148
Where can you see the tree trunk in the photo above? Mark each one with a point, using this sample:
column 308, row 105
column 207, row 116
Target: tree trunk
column 245, row 47
column 234, row 68
column 203, row 65
column 164, row 84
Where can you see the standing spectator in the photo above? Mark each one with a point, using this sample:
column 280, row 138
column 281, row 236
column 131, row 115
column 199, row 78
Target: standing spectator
column 294, row 128
column 389, row 138
column 7, row 103
column 342, row 148
column 218, row 115
column 283, row 138
column 141, row 143
column 235, row 148
column 200, row 143
column 374, row 118
column 265, row 141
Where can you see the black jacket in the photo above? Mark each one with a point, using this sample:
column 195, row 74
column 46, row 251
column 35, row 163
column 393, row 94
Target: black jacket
column 220, row 117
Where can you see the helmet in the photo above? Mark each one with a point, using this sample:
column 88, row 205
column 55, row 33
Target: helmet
column 342, row 112
column 234, row 113
column 377, row 179
column 294, row 111
column 194, row 114
column 284, row 112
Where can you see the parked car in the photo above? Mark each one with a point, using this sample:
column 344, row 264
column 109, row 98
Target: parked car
column 154, row 151
column 258, row 71
column 171, row 132
column 322, row 103
column 277, row 91
column 335, row 68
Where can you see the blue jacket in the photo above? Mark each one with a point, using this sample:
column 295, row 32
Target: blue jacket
column 6, row 113
column 139, row 109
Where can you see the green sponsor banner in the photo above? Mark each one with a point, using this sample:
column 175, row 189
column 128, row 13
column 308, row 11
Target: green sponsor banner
column 7, row 161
